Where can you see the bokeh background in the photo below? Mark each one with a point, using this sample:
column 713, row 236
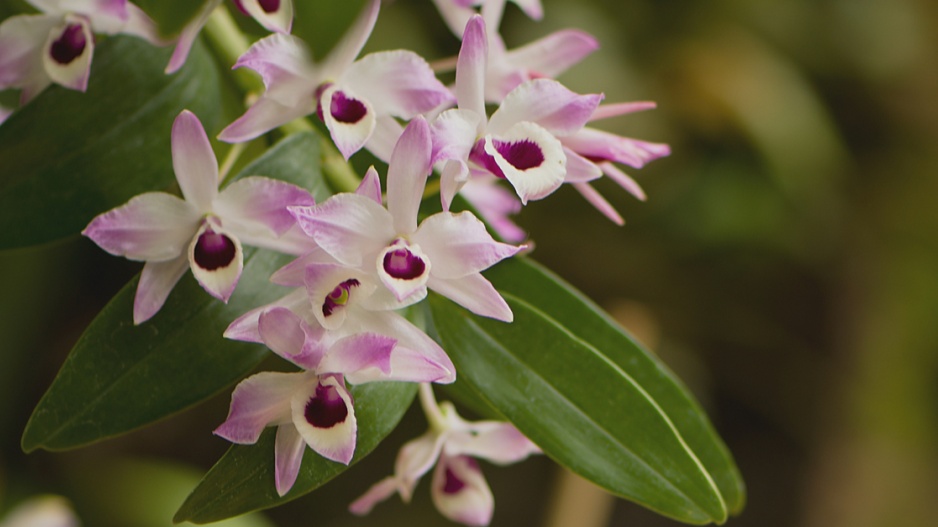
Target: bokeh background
column 785, row 265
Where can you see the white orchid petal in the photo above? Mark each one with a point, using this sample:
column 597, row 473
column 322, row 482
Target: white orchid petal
column 332, row 290
column 407, row 175
column 604, row 111
column 409, row 337
column 370, row 186
column 624, row 180
column 460, row 492
column 188, row 35
column 277, row 16
column 288, row 456
column 324, row 417
column 383, row 138
column 378, row 492
column 349, row 118
column 245, row 327
column 494, row 441
column 474, row 293
column 471, row 66
column 156, row 282
column 404, row 269
column 454, row 133
column 580, row 169
column 530, row 158
column 259, row 401
column 552, row 55
column 601, row 145
column 68, row 51
column 345, row 51
column 599, row 202
column 547, row 103
column 285, row 66
column 459, row 244
column 22, row 38
column 262, row 201
column 216, row 259
column 347, row 226
column 287, row 335
column 194, row 161
column 362, row 357
column 265, row 115
column 294, row 273
column 399, row 83
column 495, row 204
column 415, row 459
column 154, row 226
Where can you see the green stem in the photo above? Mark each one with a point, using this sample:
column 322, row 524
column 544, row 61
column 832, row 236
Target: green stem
column 428, row 402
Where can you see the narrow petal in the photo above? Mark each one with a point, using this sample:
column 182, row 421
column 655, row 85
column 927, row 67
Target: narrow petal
column 347, row 226
column 459, row 244
column 324, row 416
column 216, row 259
column 370, row 187
column 265, row 115
column 494, row 441
column 552, row 55
column 154, row 227
column 453, row 177
column 547, row 103
column 599, row 145
column 288, row 455
column 474, row 293
column 532, row 8
column 259, row 401
column 345, row 51
column 349, row 118
column 194, row 161
column 454, row 133
column 68, row 51
column 363, row 357
column 471, row 66
column 411, row 365
column 580, row 169
column 415, row 459
column 623, row 179
column 399, row 83
column 262, row 201
column 460, row 492
column 605, row 111
column 378, row 492
column 156, row 281
column 188, row 35
column 274, row 15
column 287, row 335
column 495, row 204
column 597, row 200
column 285, row 66
column 245, row 327
column 407, row 175
column 385, row 135
column 530, row 158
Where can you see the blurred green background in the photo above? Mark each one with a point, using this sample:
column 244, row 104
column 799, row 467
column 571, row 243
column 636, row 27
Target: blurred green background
column 785, row 265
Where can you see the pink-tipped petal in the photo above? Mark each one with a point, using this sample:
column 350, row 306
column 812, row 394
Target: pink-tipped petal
column 284, row 64
column 597, row 200
column 194, row 161
column 580, row 169
column 294, row 273
column 156, row 281
column 460, row 492
column 262, row 201
column 216, row 259
column 287, row 335
column 623, row 179
column 474, row 293
column 370, row 186
column 532, row 8
column 553, row 54
column 259, row 401
column 453, row 177
column 399, row 83
column 410, row 365
column 22, row 38
column 274, row 15
column 407, row 175
column 265, row 115
column 459, row 244
column 385, row 135
column 323, row 415
column 605, row 111
column 495, row 204
column 154, row 226
column 363, row 357
column 347, row 226
column 494, row 441
column 68, row 51
column 188, row 35
column 411, row 340
column 454, row 133
column 604, row 146
column 547, row 103
column 378, row 492
column 345, row 51
column 471, row 66
column 415, row 459
column 288, row 456
column 349, row 118
column 245, row 327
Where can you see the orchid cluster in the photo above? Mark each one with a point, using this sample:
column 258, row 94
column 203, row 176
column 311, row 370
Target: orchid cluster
column 361, row 257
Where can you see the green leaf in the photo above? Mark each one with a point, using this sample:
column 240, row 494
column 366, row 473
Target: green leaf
column 530, row 281
column 119, row 377
column 171, row 15
column 68, row 156
column 577, row 398
column 243, row 479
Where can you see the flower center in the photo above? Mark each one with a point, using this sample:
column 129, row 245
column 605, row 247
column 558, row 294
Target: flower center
column 269, row 6
column 214, row 250
column 523, row 155
column 326, row 408
column 403, row 264
column 338, row 297
column 70, row 45
column 346, row 109
column 452, row 484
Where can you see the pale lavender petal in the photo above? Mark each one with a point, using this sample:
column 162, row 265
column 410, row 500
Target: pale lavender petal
column 113, row 8
column 259, row 401
column 530, row 158
column 605, row 111
column 597, row 200
column 407, row 175
column 287, row 335
column 68, row 51
column 474, row 293
column 459, row 244
column 276, row 15
column 580, row 169
column 216, row 259
column 453, row 177
column 140, row 24
column 455, row 15
column 188, row 35
column 532, row 8
column 399, row 83
column 598, row 145
column 156, row 281
column 494, row 441
column 245, row 327
column 383, row 138
column 411, row 340
column 194, row 161
column 21, row 42
column 547, row 103
column 623, row 179
column 378, row 492
column 370, row 186
column 363, row 357
column 153, row 226
column 288, row 455
column 415, row 459
column 495, row 204
column 265, row 115
column 411, row 365
column 324, row 417
column 347, row 226
column 552, row 55
column 294, row 273
column 263, row 201
column 460, row 492
column 284, row 64
column 349, row 118
column 471, row 66
column 345, row 51
column 106, row 16
column 454, row 133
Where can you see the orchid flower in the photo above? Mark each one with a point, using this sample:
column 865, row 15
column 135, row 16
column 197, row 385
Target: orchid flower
column 446, row 252
column 314, row 407
column 58, row 45
column 506, row 69
column 520, row 141
column 353, row 97
column 204, row 231
column 458, row 489
column 602, row 149
column 42, row 511
column 274, row 15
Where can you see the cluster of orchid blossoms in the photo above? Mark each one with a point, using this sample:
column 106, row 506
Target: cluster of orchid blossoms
column 361, row 256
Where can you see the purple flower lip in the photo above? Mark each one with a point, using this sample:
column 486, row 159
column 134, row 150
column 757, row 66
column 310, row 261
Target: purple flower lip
column 523, row 155
column 70, row 45
column 269, row 6
column 452, row 483
column 344, row 109
column 214, row 250
column 403, row 264
column 339, row 296
column 326, row 408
